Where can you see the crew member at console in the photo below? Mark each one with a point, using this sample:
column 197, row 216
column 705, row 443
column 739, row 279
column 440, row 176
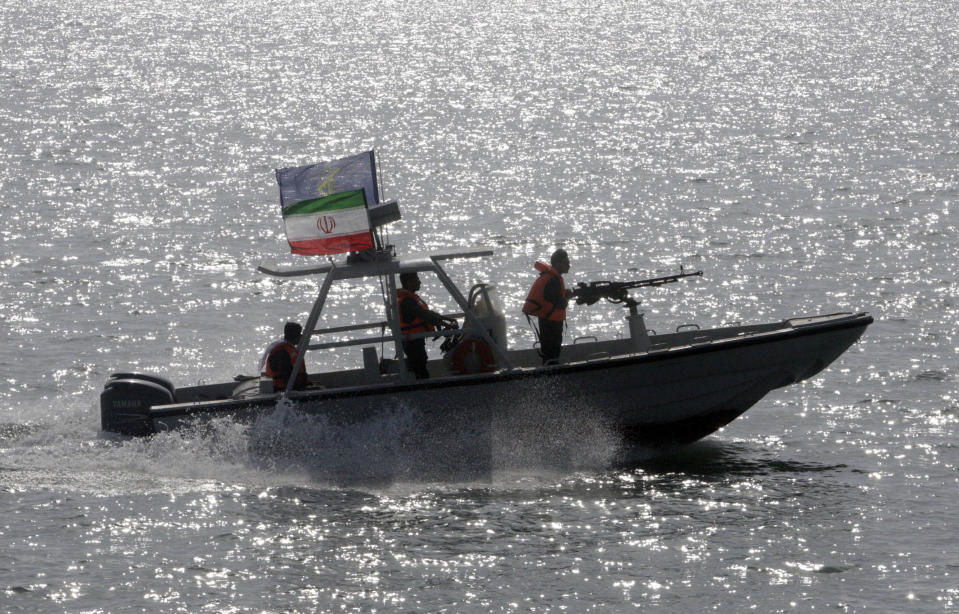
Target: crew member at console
column 547, row 300
column 278, row 359
column 416, row 317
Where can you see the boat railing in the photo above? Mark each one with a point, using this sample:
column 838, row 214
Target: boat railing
column 387, row 266
column 381, row 324
column 449, row 332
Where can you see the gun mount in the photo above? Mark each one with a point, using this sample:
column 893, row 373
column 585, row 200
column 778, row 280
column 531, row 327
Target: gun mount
column 588, row 293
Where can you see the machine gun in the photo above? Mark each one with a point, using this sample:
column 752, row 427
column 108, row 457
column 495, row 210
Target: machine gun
column 618, row 291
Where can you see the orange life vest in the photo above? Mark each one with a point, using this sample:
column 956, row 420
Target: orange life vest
column 536, row 303
column 278, row 382
column 416, row 325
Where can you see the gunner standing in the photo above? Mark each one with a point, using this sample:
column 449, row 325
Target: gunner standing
column 547, row 300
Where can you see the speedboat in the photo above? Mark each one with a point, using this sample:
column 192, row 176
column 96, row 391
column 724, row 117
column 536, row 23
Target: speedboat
column 649, row 389
column 644, row 388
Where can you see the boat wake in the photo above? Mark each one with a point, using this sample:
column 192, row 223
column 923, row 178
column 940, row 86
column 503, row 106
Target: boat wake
column 550, row 433
column 288, row 440
column 391, row 445
column 288, row 447
column 67, row 455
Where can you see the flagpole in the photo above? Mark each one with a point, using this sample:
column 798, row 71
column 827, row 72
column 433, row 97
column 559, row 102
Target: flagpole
column 377, row 242
column 378, row 184
column 376, row 177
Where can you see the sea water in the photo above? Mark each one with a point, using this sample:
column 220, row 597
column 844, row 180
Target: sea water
column 803, row 155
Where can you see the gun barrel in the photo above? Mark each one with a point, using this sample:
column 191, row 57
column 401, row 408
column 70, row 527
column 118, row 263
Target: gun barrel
column 667, row 279
column 616, row 291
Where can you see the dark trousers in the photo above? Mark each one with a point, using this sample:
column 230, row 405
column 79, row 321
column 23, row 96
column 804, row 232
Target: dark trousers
column 550, row 339
column 416, row 357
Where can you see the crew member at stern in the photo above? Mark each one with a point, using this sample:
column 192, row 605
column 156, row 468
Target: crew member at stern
column 416, row 317
column 547, row 300
column 278, row 359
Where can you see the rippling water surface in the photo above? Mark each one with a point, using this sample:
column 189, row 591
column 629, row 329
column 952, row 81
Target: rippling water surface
column 804, row 155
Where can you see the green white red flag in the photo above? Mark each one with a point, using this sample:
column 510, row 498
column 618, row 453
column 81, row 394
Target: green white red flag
column 325, row 205
column 329, row 225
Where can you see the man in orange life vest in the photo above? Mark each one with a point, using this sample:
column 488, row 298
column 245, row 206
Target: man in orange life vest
column 278, row 359
column 416, row 317
column 547, row 301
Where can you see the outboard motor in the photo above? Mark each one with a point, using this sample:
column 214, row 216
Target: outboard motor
column 126, row 401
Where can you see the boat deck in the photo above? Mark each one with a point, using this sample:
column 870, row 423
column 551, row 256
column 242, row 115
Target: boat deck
column 583, row 350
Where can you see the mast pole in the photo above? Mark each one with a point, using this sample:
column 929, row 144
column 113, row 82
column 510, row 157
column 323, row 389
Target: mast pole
column 393, row 319
column 310, row 327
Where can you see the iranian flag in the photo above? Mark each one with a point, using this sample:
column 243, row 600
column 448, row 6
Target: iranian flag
column 325, row 205
column 328, row 224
